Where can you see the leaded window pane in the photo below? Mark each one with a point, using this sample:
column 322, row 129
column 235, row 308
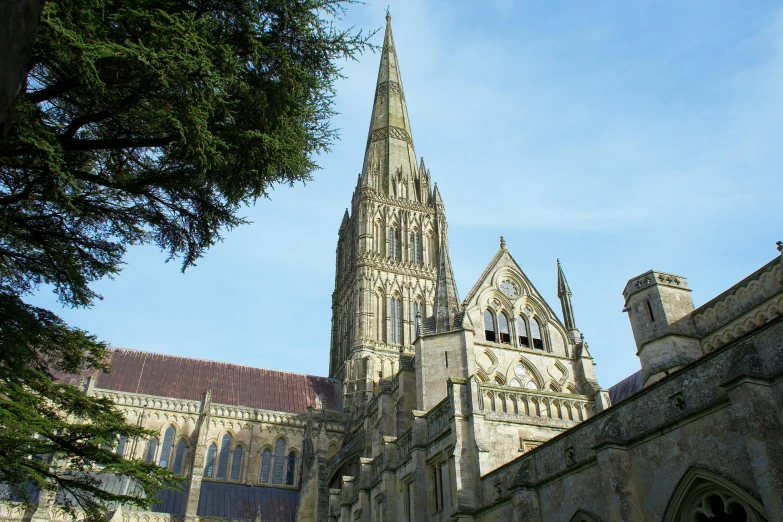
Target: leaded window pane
column 266, row 457
column 489, row 326
column 277, row 469
column 236, row 464
column 225, row 453
column 179, row 457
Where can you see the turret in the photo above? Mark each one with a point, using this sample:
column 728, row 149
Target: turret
column 659, row 307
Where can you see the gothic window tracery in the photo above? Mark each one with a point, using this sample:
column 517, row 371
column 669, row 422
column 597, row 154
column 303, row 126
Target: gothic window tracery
column 508, row 288
column 394, row 243
column 380, row 316
column 490, row 332
column 378, row 238
column 415, row 248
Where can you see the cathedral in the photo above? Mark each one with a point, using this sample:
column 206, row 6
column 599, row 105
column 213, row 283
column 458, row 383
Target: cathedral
column 477, row 408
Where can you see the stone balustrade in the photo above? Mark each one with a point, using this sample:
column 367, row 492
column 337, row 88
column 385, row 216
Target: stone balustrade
column 534, row 403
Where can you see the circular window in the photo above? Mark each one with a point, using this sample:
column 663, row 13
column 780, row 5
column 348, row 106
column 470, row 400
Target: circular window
column 521, row 371
column 508, row 288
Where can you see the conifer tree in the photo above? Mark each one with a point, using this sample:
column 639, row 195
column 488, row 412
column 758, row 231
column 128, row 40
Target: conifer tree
column 142, row 122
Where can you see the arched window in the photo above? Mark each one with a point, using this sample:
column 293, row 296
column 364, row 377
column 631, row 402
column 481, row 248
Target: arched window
column 395, row 320
column 236, row 464
column 165, row 449
column 433, row 250
column 152, row 448
column 535, row 333
column 277, row 467
column 415, row 248
column 331, row 450
column 266, row 458
column 489, row 327
column 223, row 456
column 121, row 445
column 379, row 237
column 290, row 469
column 522, row 332
column 394, row 244
column 380, row 316
column 209, row 467
column 179, row 457
column 505, row 335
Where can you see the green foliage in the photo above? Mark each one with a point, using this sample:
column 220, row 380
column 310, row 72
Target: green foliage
column 143, row 121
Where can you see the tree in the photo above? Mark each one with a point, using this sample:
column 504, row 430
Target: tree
column 143, row 121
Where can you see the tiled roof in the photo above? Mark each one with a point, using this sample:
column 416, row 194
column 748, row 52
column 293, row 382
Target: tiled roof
column 185, row 378
column 625, row 388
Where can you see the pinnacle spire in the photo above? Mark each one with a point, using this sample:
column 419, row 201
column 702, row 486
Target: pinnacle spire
column 390, row 160
column 564, row 294
column 446, row 305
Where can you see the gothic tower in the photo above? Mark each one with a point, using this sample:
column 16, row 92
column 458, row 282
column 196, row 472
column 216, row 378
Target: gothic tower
column 388, row 244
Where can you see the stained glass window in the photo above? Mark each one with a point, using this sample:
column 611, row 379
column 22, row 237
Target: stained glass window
column 277, row 468
column 209, row 468
column 223, row 457
column 165, row 449
column 266, row 457
column 179, row 457
column 236, row 464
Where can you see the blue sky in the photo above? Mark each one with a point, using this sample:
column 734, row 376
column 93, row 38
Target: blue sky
column 618, row 136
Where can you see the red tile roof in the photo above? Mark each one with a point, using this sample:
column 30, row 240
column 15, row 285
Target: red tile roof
column 185, row 378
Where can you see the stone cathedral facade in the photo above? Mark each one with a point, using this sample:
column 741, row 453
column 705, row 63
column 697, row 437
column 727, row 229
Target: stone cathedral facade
column 484, row 408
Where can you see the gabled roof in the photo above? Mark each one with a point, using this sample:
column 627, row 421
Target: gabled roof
column 164, row 375
column 501, row 255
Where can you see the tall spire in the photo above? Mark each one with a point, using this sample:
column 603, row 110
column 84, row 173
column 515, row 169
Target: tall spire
column 389, row 160
column 564, row 294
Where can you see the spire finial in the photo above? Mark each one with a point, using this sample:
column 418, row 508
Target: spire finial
column 388, row 15
column 502, row 243
column 780, row 246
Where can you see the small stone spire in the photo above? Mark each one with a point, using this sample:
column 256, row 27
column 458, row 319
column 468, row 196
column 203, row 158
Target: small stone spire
column 390, row 160
column 446, row 304
column 502, row 243
column 564, row 294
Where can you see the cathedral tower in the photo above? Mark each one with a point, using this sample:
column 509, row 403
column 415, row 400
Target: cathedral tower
column 387, row 251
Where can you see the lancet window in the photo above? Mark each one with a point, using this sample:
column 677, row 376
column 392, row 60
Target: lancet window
column 535, row 333
column 236, row 463
column 522, row 332
column 395, row 320
column 505, row 335
column 490, row 331
column 152, row 448
column 378, row 235
column 380, row 316
column 277, row 467
column 266, row 459
column 415, row 248
column 394, row 243
column 224, row 456
column 179, row 457
column 168, row 445
column 290, row 469
column 209, row 468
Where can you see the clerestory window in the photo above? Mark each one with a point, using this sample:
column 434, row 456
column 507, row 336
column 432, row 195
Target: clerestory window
column 535, row 333
column 490, row 332
column 505, row 334
column 522, row 336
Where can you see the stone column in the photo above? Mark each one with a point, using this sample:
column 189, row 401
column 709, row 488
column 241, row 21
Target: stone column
column 420, row 498
column 618, row 483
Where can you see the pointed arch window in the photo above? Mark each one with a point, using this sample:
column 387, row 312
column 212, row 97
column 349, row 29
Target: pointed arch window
column 179, row 457
column 505, row 334
column 490, row 332
column 535, row 333
column 522, row 336
column 209, row 468
column 378, row 237
column 277, row 467
column 394, row 243
column 290, row 469
column 167, row 446
column 266, row 459
column 236, row 464
column 380, row 316
column 152, row 448
column 223, row 457
column 415, row 248
column 395, row 320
